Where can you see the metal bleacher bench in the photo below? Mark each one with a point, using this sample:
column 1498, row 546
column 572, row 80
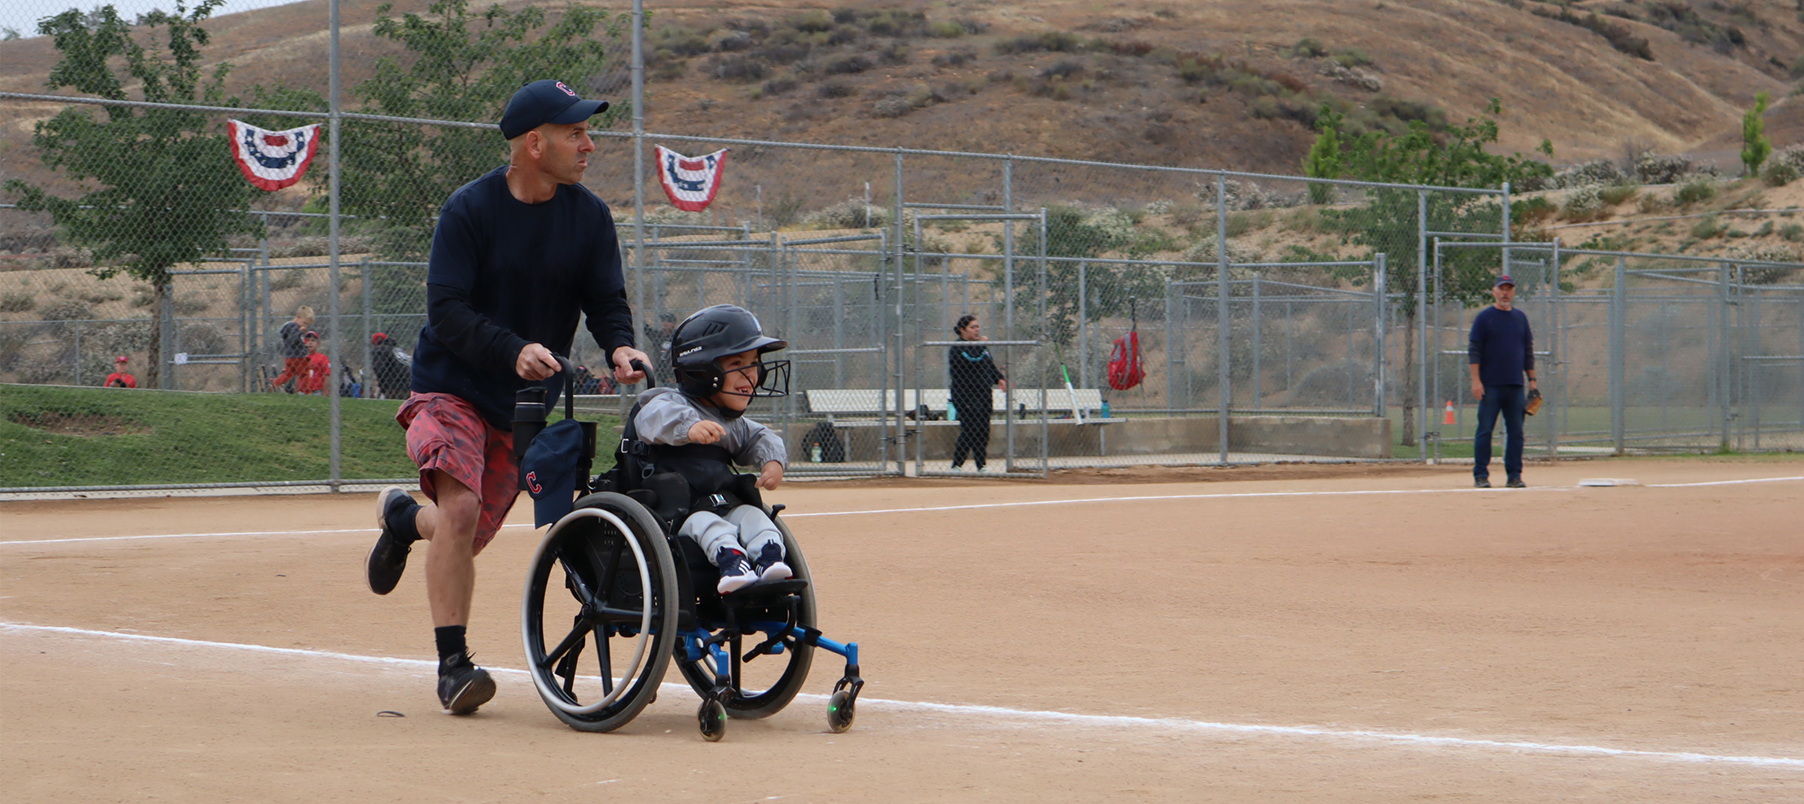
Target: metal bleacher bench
column 873, row 402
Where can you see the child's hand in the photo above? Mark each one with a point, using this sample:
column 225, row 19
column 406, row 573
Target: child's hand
column 771, row 476
column 706, row 432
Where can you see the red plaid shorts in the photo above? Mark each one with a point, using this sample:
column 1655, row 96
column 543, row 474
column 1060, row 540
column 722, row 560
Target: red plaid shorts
column 446, row 434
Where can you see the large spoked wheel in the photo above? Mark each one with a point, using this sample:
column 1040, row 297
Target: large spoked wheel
column 600, row 584
column 767, row 683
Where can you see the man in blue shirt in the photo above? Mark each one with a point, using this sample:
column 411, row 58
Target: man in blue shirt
column 1501, row 353
column 517, row 256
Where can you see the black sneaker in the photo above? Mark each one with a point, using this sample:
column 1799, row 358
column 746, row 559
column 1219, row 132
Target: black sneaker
column 770, row 566
column 1516, row 483
column 1481, row 483
column 462, row 686
column 388, row 559
column 735, row 571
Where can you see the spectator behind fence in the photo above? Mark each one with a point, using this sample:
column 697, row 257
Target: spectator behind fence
column 313, row 381
column 1501, row 353
column 392, row 369
column 122, row 374
column 658, row 340
column 294, row 348
column 972, row 373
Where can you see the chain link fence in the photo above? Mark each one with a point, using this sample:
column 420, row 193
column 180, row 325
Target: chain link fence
column 1278, row 318
column 1651, row 353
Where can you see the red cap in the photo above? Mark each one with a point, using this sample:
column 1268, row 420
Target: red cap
column 121, row 359
column 310, row 336
column 378, row 337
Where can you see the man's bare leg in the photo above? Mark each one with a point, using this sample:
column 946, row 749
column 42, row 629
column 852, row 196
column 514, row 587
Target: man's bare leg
column 450, row 524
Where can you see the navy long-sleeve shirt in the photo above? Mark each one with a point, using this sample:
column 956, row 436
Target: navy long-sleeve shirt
column 503, row 274
column 1502, row 346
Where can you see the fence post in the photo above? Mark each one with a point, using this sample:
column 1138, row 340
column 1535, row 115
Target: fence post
column 166, row 339
column 1222, row 316
column 1083, row 325
column 1171, row 352
column 1619, row 294
column 1045, row 338
column 1421, row 355
column 78, row 353
column 1725, row 354
column 900, row 347
column 369, row 328
column 1557, row 375
column 1258, row 386
column 1379, row 278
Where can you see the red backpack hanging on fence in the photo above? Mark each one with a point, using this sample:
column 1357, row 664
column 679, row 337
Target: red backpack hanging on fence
column 1125, row 370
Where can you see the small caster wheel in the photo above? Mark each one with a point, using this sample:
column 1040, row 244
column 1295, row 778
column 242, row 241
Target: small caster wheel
column 841, row 709
column 712, row 717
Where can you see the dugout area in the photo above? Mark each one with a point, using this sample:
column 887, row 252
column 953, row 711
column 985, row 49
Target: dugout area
column 1345, row 634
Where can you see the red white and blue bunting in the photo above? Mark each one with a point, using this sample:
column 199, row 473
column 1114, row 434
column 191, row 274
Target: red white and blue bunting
column 272, row 159
column 690, row 182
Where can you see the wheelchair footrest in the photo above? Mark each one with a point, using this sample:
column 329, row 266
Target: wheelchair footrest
column 760, row 591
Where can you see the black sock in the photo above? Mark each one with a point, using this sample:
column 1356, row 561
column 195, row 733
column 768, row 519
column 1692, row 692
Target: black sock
column 401, row 523
column 450, row 641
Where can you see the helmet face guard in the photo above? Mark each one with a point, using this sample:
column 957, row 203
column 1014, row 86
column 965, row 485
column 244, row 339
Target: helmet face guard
column 702, row 382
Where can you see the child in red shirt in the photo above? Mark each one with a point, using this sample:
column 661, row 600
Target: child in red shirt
column 122, row 375
column 318, row 365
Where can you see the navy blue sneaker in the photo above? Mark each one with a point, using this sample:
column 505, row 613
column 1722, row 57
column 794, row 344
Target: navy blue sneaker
column 462, row 686
column 770, row 566
column 735, row 571
column 388, row 559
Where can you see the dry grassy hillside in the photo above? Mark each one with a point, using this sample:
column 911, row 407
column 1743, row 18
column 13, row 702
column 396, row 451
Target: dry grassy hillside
column 977, row 74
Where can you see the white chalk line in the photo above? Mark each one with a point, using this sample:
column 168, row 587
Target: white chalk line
column 930, row 509
column 1038, row 716
column 1723, row 482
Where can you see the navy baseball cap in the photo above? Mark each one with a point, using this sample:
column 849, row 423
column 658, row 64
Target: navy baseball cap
column 550, row 471
column 546, row 101
column 1504, row 280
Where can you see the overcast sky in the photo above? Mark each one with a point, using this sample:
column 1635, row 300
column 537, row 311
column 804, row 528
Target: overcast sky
column 23, row 15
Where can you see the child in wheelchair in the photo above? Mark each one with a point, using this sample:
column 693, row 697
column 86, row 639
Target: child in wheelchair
column 699, row 431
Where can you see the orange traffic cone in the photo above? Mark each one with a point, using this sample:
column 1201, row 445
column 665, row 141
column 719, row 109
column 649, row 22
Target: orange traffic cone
column 1449, row 417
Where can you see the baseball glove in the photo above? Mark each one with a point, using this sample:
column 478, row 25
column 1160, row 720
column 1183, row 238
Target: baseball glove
column 1534, row 402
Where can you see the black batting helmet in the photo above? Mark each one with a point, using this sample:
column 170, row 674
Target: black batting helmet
column 716, row 332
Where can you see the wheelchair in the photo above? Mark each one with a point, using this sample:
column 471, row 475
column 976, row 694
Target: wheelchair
column 612, row 579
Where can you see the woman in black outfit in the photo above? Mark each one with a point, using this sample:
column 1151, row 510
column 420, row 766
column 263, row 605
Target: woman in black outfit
column 973, row 372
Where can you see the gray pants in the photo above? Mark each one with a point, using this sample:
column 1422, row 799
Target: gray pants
column 744, row 528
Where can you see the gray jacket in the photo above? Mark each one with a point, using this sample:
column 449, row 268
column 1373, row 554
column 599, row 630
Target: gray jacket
column 666, row 414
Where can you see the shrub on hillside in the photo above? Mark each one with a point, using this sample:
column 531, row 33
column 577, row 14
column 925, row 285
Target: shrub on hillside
column 1597, row 172
column 1617, row 193
column 1778, row 174
column 1653, row 169
column 1532, row 210
column 1054, row 41
column 1695, row 189
column 1584, row 204
column 17, row 302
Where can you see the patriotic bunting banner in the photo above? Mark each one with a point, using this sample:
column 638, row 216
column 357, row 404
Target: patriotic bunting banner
column 690, row 182
column 272, row 159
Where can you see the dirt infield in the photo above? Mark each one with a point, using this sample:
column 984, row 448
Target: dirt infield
column 1366, row 635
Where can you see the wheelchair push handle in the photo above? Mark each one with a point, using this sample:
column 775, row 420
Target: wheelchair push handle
column 640, row 365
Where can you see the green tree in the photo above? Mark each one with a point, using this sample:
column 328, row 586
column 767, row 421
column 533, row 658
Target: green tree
column 1755, row 147
column 455, row 66
column 1388, row 223
column 164, row 191
column 1323, row 160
